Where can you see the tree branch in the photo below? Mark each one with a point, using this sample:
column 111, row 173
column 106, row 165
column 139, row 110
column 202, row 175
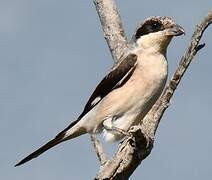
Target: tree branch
column 98, row 149
column 112, row 28
column 133, row 150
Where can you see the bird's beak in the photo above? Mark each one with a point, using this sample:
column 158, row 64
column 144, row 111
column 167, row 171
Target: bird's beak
column 175, row 30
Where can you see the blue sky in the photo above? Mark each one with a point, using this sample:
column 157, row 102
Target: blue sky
column 52, row 55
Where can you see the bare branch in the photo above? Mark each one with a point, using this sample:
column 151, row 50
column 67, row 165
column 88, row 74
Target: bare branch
column 99, row 150
column 112, row 27
column 133, row 150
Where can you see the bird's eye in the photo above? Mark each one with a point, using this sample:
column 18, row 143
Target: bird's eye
column 155, row 26
column 149, row 27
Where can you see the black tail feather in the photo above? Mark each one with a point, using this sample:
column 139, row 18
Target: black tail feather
column 41, row 150
column 58, row 139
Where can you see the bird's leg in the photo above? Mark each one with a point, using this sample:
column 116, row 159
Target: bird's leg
column 108, row 125
column 98, row 148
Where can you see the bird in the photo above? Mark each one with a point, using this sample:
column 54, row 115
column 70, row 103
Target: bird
column 129, row 90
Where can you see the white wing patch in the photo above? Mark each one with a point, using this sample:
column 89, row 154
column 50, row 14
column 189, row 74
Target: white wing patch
column 95, row 101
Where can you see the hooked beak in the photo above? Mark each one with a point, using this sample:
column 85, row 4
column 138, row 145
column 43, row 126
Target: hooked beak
column 175, row 30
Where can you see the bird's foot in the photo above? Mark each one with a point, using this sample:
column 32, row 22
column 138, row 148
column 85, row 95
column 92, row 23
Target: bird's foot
column 108, row 125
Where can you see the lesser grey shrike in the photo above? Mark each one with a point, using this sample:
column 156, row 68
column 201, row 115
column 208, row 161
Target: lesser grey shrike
column 129, row 90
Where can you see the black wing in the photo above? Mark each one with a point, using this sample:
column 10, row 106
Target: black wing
column 114, row 79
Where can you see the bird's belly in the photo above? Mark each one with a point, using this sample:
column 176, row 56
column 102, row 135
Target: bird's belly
column 132, row 101
column 132, row 111
column 139, row 104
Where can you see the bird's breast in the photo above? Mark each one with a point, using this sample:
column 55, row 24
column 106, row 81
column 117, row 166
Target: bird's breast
column 139, row 93
column 147, row 82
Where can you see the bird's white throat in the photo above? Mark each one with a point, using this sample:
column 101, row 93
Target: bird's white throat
column 154, row 42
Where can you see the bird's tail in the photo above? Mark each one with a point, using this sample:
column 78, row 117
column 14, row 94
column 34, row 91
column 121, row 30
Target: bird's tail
column 72, row 131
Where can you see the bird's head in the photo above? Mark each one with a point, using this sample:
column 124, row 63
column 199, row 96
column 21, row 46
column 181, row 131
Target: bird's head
column 155, row 33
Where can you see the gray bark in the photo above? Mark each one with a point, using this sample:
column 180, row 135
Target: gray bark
column 112, row 27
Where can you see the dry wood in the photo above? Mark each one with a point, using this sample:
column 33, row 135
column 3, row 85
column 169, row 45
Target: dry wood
column 112, row 27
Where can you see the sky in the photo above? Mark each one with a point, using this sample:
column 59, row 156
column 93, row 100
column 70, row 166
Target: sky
column 53, row 54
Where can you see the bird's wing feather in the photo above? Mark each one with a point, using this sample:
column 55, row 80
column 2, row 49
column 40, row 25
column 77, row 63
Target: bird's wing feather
column 114, row 79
